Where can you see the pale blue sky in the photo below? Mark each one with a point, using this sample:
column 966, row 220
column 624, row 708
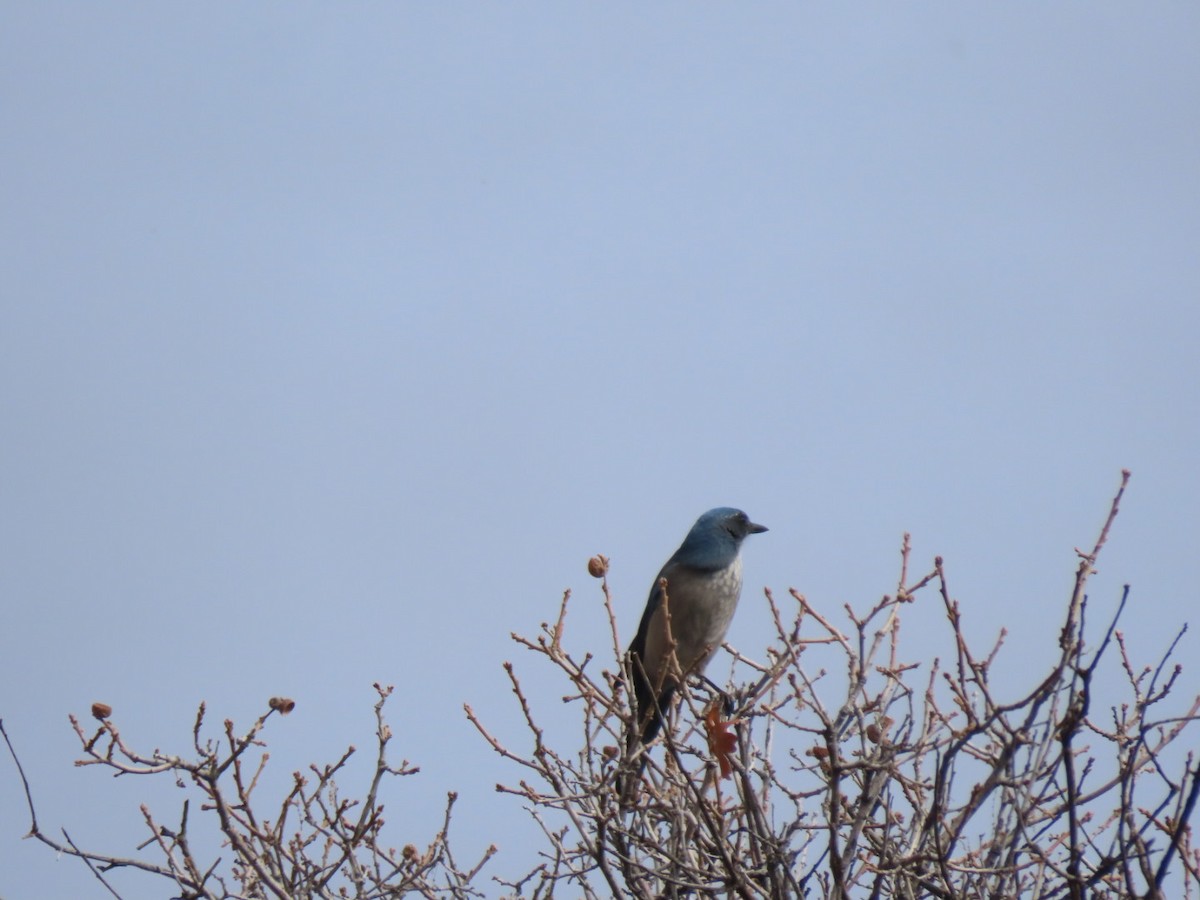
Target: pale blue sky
column 335, row 339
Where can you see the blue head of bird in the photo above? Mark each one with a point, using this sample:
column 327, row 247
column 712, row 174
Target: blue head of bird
column 716, row 538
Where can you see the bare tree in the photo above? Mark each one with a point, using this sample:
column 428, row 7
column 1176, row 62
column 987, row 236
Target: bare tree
column 898, row 780
column 315, row 843
column 875, row 776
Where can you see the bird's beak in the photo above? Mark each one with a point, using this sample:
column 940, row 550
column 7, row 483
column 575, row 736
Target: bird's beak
column 757, row 529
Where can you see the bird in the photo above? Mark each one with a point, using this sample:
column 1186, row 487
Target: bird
column 703, row 581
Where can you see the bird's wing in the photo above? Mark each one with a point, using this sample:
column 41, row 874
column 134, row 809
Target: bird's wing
column 651, row 644
column 645, row 660
column 652, row 603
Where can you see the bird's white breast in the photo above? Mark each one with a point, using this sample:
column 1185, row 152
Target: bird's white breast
column 706, row 622
column 727, row 585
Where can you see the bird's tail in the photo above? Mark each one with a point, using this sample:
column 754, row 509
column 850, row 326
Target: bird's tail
column 650, row 709
column 648, row 718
